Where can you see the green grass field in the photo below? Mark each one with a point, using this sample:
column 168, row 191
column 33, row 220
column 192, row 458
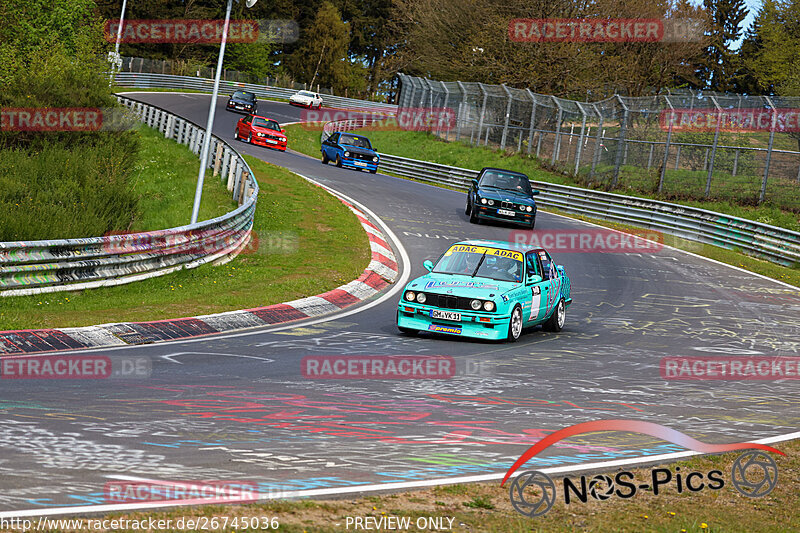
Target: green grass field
column 308, row 243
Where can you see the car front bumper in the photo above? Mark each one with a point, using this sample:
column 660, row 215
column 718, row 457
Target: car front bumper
column 263, row 141
column 475, row 325
column 359, row 164
column 239, row 109
column 492, row 214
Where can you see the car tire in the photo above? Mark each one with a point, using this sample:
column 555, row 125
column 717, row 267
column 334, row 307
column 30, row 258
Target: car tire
column 468, row 209
column 373, row 171
column 473, row 216
column 236, row 134
column 325, row 159
column 250, row 138
column 338, row 161
column 556, row 321
column 533, row 222
column 515, row 323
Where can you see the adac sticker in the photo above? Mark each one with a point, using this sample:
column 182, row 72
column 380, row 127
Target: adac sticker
column 482, row 249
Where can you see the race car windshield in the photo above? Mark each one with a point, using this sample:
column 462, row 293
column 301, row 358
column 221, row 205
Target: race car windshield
column 506, row 182
column 306, row 93
column 481, row 262
column 242, row 95
column 264, row 123
column 352, row 140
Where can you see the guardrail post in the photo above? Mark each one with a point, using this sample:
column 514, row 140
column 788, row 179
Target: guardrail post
column 218, row 159
column 579, row 148
column 598, row 142
column 772, row 128
column 508, row 117
column 620, row 142
column 557, row 140
column 533, row 120
column 666, row 145
column 463, row 108
column 232, row 169
column 242, row 186
column 713, row 147
column 483, row 112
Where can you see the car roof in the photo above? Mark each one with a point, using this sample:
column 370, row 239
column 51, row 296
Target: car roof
column 524, row 248
column 265, row 118
column 484, row 169
column 248, row 93
column 351, row 134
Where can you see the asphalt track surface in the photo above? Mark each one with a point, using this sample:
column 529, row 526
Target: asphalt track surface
column 236, row 407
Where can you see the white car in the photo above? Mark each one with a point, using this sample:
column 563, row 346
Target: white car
column 306, row 99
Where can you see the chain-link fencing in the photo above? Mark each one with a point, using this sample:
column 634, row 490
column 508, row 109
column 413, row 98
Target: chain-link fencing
column 680, row 145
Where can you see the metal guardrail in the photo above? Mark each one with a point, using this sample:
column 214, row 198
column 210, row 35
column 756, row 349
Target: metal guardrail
column 775, row 244
column 169, row 81
column 33, row 267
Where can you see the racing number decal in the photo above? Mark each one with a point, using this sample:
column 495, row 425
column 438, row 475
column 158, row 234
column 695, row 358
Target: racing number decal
column 535, row 302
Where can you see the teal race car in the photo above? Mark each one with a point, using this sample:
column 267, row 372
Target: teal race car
column 487, row 290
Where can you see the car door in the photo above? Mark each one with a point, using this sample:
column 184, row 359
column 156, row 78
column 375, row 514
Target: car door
column 330, row 146
column 552, row 284
column 537, row 289
column 244, row 126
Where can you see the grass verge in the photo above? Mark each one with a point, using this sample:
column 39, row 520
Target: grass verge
column 426, row 147
column 308, row 243
column 486, row 507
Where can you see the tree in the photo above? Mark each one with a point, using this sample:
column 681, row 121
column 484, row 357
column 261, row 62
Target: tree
column 717, row 72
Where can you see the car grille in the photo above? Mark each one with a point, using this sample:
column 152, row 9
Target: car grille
column 446, row 301
column 506, row 205
column 363, row 157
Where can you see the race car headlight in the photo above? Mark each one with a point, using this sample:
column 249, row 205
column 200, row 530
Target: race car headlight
column 491, row 202
column 488, row 306
column 410, row 296
column 375, row 159
column 483, row 200
column 421, row 297
column 347, row 154
column 522, row 208
column 475, row 304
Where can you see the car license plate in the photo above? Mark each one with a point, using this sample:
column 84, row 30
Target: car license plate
column 359, row 163
column 270, row 141
column 445, row 315
column 505, row 212
column 239, row 107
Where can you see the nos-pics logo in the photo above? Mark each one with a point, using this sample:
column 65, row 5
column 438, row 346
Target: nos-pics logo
column 754, row 473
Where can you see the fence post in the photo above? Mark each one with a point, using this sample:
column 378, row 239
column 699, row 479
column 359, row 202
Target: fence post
column 444, row 109
column 598, row 142
column 666, row 145
column 463, row 108
column 580, row 142
column 430, row 88
column 483, row 111
column 713, row 147
column 218, row 159
column 620, row 142
column 533, row 120
column 557, row 140
column 423, row 95
column 508, row 116
column 769, row 149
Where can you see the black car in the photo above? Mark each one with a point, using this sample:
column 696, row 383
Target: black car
column 503, row 195
column 242, row 101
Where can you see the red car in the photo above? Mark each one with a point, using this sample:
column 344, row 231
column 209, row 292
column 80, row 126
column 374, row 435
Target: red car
column 260, row 130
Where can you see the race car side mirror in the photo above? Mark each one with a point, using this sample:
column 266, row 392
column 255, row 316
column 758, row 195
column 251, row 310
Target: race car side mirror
column 475, row 183
column 534, row 279
column 535, row 192
column 428, row 265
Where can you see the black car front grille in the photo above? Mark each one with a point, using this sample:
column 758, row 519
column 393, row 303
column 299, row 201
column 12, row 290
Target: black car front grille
column 506, row 205
column 446, row 301
column 363, row 157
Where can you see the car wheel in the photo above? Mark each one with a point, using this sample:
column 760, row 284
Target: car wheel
column 236, row 134
column 338, row 161
column 557, row 319
column 250, row 138
column 515, row 325
column 533, row 223
column 373, row 171
column 468, row 209
column 325, row 159
column 473, row 216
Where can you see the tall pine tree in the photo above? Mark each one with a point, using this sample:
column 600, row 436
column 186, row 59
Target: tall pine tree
column 718, row 70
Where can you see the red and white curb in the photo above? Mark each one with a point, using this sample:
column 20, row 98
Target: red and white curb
column 381, row 272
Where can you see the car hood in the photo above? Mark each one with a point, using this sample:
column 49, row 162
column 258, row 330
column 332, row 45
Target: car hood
column 300, row 97
column 505, row 196
column 358, row 150
column 466, row 286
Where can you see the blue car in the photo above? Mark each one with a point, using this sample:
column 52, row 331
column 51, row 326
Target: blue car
column 351, row 151
column 502, row 195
